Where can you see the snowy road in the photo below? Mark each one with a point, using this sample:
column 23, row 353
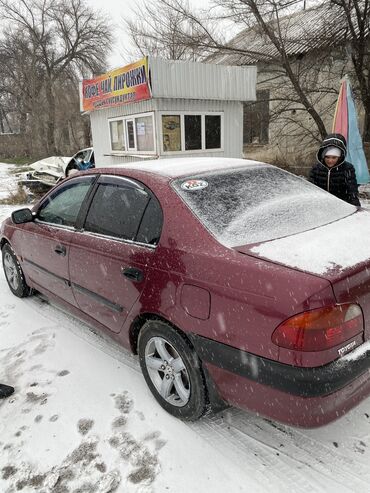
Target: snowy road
column 83, row 420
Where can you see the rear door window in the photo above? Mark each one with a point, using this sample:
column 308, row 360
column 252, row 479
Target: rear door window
column 151, row 224
column 116, row 210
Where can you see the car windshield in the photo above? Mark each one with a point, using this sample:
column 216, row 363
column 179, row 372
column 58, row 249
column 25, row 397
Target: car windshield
column 258, row 203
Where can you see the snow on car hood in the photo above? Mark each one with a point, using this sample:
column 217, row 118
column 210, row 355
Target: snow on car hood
column 333, row 247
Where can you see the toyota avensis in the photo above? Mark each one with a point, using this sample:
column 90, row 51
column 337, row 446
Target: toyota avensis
column 234, row 281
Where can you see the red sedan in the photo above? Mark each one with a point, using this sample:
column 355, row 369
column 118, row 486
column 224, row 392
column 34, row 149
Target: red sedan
column 235, row 281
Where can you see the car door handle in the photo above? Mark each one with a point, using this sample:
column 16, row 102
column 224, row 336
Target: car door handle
column 133, row 274
column 60, row 250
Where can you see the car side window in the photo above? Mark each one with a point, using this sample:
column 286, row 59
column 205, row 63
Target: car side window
column 151, row 224
column 116, row 211
column 63, row 205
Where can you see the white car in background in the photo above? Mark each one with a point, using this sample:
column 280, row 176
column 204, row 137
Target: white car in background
column 83, row 159
column 49, row 171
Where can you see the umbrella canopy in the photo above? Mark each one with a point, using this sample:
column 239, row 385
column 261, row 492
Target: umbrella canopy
column 345, row 123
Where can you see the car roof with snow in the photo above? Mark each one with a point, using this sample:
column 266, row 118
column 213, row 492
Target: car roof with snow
column 177, row 167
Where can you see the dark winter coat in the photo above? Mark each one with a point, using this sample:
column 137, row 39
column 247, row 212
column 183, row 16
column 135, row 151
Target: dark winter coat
column 340, row 180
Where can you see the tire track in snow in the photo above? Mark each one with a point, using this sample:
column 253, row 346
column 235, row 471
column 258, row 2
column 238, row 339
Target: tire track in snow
column 312, row 454
column 347, row 470
column 275, row 470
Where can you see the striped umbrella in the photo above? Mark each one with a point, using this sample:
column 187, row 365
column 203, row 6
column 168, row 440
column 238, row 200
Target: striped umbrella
column 345, row 123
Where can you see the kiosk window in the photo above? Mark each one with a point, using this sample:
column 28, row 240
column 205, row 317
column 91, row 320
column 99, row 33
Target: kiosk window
column 184, row 132
column 133, row 134
column 130, row 134
column 117, row 137
column 193, row 132
column 144, row 133
column 213, row 131
column 171, row 132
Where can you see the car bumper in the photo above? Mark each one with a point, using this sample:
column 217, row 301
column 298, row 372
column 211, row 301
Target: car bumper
column 306, row 397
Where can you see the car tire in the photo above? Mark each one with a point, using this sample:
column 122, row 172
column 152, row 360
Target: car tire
column 172, row 370
column 13, row 273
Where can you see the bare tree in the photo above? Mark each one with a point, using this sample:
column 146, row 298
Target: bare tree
column 263, row 16
column 276, row 36
column 21, row 82
column 162, row 29
column 47, row 43
column 297, row 59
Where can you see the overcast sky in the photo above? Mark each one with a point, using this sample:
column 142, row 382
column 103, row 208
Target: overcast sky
column 117, row 10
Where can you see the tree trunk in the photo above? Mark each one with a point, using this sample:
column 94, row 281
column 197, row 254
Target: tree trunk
column 10, row 128
column 1, row 121
column 366, row 131
column 50, row 120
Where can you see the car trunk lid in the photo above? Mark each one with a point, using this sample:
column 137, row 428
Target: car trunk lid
column 338, row 252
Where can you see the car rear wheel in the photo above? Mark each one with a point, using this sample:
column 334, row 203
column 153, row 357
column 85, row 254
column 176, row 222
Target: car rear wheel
column 172, row 370
column 14, row 274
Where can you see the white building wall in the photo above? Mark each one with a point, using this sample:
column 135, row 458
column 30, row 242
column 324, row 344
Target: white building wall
column 208, row 81
column 232, row 128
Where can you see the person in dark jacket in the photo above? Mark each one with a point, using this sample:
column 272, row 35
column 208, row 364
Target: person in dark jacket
column 5, row 390
column 333, row 173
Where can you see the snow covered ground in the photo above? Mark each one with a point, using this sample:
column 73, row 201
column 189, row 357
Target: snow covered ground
column 83, row 420
column 8, row 182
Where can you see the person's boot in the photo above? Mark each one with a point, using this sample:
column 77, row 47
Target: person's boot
column 5, row 390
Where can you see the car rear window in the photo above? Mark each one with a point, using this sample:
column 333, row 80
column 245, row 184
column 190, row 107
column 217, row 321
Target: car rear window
column 258, row 203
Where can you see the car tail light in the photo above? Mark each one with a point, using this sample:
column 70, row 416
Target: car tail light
column 317, row 330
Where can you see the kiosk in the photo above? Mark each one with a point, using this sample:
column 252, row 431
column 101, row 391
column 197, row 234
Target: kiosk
column 158, row 108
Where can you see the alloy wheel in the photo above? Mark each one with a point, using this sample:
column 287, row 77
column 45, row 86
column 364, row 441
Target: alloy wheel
column 11, row 271
column 167, row 371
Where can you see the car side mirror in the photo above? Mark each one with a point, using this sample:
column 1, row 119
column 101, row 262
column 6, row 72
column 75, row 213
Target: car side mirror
column 22, row 216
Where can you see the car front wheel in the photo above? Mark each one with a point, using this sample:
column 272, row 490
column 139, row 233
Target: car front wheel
column 13, row 273
column 172, row 370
